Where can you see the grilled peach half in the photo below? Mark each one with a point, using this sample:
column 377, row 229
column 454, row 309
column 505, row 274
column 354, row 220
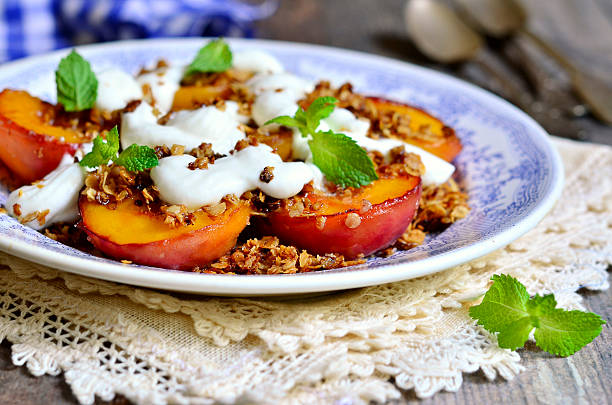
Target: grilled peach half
column 442, row 142
column 31, row 146
column 129, row 233
column 372, row 219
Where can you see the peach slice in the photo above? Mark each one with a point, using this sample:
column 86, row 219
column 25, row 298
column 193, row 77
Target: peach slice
column 127, row 232
column 190, row 97
column 445, row 144
column 373, row 218
column 31, row 146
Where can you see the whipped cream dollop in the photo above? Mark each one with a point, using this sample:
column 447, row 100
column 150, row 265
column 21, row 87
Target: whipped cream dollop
column 57, row 192
column 116, row 89
column 276, row 94
column 256, row 61
column 189, row 128
column 234, row 174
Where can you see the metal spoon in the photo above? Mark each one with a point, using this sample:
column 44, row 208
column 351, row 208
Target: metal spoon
column 500, row 18
column 441, row 35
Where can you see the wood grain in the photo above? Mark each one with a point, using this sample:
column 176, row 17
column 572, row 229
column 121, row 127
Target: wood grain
column 583, row 30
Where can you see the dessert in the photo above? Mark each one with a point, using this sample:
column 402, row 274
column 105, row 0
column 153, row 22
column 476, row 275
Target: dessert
column 228, row 165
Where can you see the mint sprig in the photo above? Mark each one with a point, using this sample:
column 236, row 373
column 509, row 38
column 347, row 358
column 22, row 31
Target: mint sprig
column 215, row 56
column 340, row 158
column 134, row 158
column 507, row 310
column 77, row 86
column 103, row 149
column 137, row 158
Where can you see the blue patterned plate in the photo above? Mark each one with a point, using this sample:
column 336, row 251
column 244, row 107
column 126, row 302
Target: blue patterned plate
column 511, row 171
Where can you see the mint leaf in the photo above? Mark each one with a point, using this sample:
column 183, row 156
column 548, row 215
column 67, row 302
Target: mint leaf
column 320, row 109
column 514, row 335
column 341, row 160
column 286, row 121
column 215, row 56
column 103, row 149
column 506, row 298
column 308, row 121
column 506, row 309
column 137, row 158
column 77, row 86
column 563, row 332
column 298, row 121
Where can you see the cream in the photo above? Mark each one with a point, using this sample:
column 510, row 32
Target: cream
column 271, row 104
column 163, row 82
column 57, row 192
column 256, row 61
column 234, row 174
column 116, row 88
column 189, row 128
column 279, row 81
column 276, row 94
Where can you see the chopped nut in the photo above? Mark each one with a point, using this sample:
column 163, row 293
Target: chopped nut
column 17, row 209
column 147, row 195
column 204, row 150
column 173, row 209
column 365, row 206
column 266, row 174
column 352, row 220
column 147, row 94
column 177, row 149
column 28, row 218
column 241, row 144
column 42, row 216
column 304, row 258
column 320, row 222
column 162, row 151
column 296, row 209
column 215, row 209
column 200, row 163
column 90, row 193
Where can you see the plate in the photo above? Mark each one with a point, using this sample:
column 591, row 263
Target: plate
column 511, row 171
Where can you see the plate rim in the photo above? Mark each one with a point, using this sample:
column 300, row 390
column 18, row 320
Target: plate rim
column 284, row 284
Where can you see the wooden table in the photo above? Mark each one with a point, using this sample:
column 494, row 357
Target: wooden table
column 582, row 29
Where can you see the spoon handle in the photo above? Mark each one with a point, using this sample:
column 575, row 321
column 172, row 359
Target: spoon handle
column 520, row 97
column 501, row 83
column 595, row 92
column 549, row 49
column 545, row 86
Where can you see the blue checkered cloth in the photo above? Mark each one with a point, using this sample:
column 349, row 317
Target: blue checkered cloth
column 32, row 26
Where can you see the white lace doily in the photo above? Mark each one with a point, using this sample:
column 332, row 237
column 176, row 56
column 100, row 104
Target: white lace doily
column 154, row 347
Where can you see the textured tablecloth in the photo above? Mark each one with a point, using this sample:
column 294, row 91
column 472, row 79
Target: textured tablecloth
column 355, row 346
